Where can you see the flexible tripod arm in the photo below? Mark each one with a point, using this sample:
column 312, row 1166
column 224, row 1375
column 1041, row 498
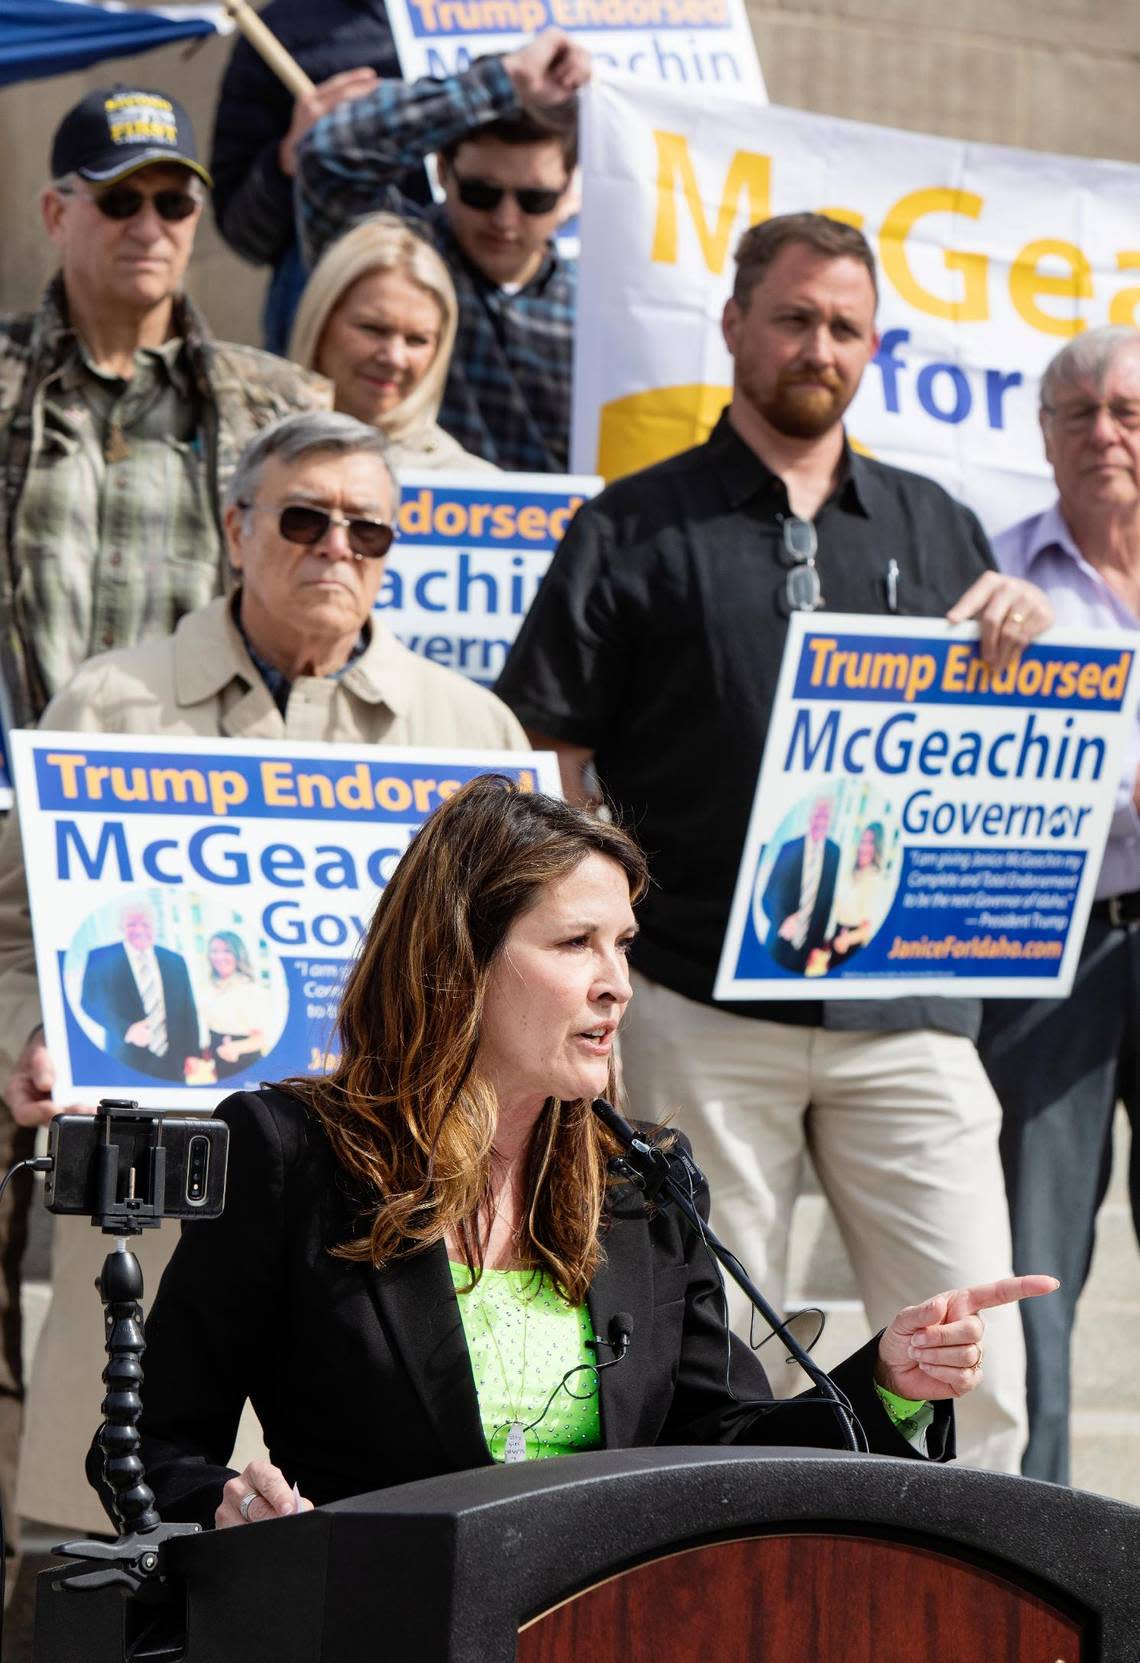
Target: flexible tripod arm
column 135, row 1561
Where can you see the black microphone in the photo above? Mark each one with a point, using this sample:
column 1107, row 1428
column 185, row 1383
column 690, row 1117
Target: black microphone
column 621, row 1332
column 616, row 1123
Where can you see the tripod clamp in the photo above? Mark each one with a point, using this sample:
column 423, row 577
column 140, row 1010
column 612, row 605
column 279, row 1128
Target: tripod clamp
column 135, row 1562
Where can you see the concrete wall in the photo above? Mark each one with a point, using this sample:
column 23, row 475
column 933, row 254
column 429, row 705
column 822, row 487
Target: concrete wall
column 1045, row 74
column 1058, row 75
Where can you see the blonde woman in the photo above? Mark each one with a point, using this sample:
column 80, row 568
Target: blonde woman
column 378, row 318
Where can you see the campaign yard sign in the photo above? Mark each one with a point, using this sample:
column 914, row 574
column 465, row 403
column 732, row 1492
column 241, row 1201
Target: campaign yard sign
column 694, row 43
column 471, row 552
column 922, row 824
column 196, row 903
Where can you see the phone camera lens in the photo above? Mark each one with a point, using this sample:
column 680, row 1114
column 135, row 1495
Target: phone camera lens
column 197, row 1169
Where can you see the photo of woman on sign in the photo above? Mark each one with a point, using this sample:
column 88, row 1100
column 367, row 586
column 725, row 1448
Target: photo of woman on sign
column 236, row 1010
column 862, row 897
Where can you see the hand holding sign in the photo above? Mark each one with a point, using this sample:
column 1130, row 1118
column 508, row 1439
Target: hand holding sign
column 28, row 1093
column 1009, row 612
column 548, row 70
column 312, row 106
column 934, row 1350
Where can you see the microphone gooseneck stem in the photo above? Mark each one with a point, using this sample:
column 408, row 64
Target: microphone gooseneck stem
column 655, row 1169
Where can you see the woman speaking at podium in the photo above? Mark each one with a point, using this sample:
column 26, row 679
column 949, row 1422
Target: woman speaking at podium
column 426, row 1262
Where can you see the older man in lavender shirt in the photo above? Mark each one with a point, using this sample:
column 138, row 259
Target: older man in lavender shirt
column 1059, row 1066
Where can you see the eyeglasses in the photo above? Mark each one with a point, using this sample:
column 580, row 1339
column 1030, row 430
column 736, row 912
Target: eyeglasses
column 1078, row 418
column 802, row 588
column 124, row 202
column 481, row 194
column 297, row 523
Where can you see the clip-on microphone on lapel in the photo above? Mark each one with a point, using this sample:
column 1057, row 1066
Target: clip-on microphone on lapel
column 621, row 1332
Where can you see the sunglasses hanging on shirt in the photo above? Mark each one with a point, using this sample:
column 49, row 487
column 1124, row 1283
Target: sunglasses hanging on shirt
column 803, row 591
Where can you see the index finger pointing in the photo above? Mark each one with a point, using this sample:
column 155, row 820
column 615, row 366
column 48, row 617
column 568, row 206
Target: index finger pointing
column 1007, row 1291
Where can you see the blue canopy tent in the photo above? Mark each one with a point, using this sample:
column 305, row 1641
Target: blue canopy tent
column 51, row 37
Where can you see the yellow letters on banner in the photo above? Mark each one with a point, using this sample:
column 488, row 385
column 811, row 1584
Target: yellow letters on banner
column 971, row 306
column 1124, row 305
column 1027, row 281
column 748, row 185
column 747, row 173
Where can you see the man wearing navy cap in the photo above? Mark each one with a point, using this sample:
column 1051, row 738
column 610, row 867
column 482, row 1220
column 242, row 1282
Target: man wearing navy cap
column 121, row 420
column 120, row 417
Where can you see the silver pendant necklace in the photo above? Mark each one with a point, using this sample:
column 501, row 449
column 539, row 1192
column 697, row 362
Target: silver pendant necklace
column 514, row 1448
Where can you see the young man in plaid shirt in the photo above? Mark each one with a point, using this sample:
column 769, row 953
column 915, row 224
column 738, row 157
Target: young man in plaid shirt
column 505, row 134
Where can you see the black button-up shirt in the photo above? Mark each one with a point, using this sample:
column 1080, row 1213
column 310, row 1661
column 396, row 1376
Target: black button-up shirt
column 656, row 640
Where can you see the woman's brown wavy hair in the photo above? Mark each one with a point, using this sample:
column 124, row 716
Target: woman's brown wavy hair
column 405, row 1111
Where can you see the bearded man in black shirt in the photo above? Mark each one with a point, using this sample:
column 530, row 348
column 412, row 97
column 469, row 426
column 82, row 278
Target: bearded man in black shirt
column 651, row 654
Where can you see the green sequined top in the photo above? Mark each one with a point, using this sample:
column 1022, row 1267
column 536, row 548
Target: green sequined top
column 523, row 1339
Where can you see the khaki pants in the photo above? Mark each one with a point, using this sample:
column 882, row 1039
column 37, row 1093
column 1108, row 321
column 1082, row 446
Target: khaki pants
column 903, row 1131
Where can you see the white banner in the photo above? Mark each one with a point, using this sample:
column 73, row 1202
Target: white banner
column 922, row 824
column 990, row 259
column 692, row 43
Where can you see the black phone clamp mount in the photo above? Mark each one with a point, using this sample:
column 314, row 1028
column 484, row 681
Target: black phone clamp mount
column 129, row 1183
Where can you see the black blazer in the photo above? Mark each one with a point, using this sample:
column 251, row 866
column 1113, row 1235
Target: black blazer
column 362, row 1379
column 111, row 997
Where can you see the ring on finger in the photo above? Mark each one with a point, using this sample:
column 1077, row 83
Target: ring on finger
column 247, row 1502
column 1017, row 618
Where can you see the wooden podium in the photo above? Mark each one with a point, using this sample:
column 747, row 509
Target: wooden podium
column 735, row 1555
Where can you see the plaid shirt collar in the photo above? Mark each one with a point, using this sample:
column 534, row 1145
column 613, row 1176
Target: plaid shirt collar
column 56, row 344
column 276, row 680
column 211, row 650
column 453, row 255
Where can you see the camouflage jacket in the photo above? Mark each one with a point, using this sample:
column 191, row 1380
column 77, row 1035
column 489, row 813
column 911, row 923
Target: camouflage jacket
column 241, row 390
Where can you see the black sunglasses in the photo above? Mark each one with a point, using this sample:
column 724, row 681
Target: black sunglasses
column 124, row 202
column 297, row 523
column 481, row 194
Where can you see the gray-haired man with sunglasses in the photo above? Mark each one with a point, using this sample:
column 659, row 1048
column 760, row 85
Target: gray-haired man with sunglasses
column 652, row 651
column 296, row 653
column 120, row 417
